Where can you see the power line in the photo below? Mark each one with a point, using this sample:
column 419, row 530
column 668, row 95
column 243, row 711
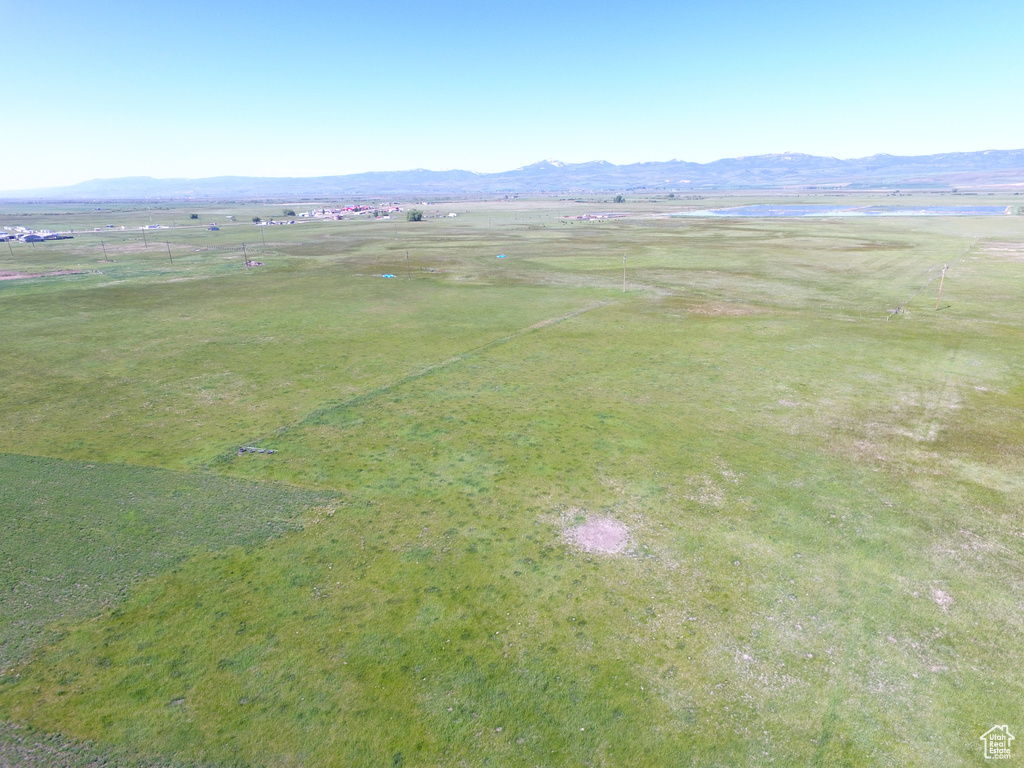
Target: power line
column 940, row 276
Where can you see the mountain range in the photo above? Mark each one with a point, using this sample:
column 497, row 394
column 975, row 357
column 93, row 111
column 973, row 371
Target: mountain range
column 788, row 170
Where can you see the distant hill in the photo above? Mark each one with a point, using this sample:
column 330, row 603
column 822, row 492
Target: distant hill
column 953, row 169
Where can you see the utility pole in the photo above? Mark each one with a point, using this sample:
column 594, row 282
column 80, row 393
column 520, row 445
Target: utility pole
column 104, row 251
column 941, row 280
column 245, row 256
column 9, row 248
column 144, row 241
column 169, row 252
column 408, row 268
column 263, row 229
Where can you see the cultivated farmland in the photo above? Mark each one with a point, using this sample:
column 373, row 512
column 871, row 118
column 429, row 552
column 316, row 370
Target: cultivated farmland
column 742, row 512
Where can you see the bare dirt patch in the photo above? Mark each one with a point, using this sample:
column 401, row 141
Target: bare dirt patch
column 1012, row 251
column 723, row 308
column 599, row 534
column 942, row 599
column 19, row 276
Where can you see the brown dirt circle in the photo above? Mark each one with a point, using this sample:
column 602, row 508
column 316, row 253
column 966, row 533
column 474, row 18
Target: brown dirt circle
column 603, row 535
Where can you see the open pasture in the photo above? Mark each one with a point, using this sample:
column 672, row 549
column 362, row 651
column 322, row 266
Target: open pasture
column 819, row 210
column 742, row 513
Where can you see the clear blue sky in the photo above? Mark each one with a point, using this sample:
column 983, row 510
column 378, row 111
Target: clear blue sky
column 103, row 89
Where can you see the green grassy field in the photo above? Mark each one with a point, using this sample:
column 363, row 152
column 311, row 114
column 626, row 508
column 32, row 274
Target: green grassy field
column 825, row 553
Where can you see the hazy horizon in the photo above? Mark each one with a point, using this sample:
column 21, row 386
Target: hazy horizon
column 467, row 170
column 193, row 90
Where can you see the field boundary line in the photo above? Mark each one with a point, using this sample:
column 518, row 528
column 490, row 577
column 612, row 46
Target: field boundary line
column 313, row 417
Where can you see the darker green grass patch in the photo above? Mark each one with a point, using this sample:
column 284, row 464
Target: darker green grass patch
column 77, row 536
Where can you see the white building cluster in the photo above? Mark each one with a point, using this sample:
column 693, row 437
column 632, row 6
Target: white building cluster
column 351, row 211
column 25, row 235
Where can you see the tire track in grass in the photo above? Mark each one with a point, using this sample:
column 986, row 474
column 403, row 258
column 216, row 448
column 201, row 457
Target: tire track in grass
column 946, row 397
column 315, row 417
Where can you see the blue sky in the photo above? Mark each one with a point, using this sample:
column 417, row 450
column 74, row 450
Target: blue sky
column 104, row 89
